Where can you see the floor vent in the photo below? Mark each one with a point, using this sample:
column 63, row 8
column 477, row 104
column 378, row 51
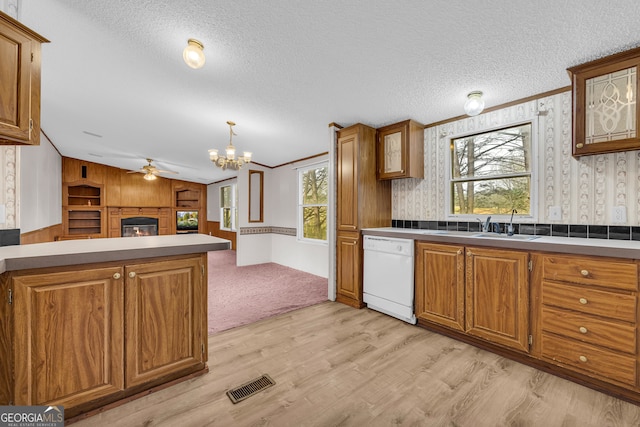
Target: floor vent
column 246, row 390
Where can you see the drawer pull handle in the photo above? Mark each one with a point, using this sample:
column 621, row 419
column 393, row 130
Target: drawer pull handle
column 585, row 273
column 583, row 301
column 583, row 358
column 116, row 276
column 583, row 330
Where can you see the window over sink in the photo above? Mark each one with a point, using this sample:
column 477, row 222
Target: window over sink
column 491, row 173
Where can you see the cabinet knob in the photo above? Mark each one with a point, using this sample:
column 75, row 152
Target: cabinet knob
column 132, row 274
column 116, row 276
column 459, row 251
column 585, row 273
column 469, row 253
column 583, row 330
column 583, row 358
column 579, row 145
column 583, row 300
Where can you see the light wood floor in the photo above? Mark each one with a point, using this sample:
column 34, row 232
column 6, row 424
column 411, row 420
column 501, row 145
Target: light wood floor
column 338, row 366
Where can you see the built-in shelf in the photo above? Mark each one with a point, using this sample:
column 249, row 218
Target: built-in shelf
column 83, row 195
column 84, row 221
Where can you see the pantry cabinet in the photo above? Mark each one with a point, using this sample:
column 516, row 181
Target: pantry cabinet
column 20, row 59
column 362, row 202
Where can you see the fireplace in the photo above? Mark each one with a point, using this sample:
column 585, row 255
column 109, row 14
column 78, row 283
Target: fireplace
column 139, row 226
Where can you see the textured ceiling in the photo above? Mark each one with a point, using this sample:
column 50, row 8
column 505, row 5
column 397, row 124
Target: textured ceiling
column 284, row 69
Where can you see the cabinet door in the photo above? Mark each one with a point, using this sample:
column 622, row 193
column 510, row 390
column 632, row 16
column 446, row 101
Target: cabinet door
column 349, row 267
column 68, row 336
column 347, row 187
column 497, row 296
column 15, row 90
column 165, row 316
column 440, row 284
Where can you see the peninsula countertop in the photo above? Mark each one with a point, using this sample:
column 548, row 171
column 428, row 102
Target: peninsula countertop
column 86, row 251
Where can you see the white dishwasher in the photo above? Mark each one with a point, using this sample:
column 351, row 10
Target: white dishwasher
column 388, row 276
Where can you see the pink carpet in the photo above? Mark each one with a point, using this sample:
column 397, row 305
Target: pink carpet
column 242, row 295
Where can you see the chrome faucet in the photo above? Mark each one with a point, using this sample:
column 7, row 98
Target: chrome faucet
column 486, row 224
column 510, row 228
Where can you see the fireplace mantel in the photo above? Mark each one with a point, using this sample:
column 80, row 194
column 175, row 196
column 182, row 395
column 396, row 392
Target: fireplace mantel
column 163, row 215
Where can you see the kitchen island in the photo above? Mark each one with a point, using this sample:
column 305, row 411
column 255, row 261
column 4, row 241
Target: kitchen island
column 88, row 323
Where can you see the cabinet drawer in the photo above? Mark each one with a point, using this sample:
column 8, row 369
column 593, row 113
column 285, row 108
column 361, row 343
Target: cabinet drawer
column 590, row 359
column 592, row 301
column 589, row 271
column 582, row 327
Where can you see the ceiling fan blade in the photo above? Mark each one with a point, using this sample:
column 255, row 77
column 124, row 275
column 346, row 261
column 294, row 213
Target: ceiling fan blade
column 166, row 171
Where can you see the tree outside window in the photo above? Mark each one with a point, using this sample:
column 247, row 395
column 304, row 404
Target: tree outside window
column 491, row 172
column 228, row 209
column 312, row 205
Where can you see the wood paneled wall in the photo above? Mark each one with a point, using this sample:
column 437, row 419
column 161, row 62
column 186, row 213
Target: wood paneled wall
column 47, row 234
column 213, row 228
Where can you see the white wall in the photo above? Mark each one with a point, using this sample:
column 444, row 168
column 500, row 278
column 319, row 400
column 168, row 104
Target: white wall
column 40, row 195
column 280, row 210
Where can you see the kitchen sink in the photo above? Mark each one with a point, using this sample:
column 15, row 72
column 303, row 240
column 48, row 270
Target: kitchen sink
column 505, row 236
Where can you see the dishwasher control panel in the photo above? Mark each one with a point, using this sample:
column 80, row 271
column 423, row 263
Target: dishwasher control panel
column 388, row 245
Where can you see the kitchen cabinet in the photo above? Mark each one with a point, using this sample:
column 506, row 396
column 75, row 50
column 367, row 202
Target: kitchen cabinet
column 83, row 337
column 20, row 60
column 400, row 151
column 439, row 284
column 362, row 201
column 497, row 296
column 68, row 335
column 588, row 316
column 605, row 116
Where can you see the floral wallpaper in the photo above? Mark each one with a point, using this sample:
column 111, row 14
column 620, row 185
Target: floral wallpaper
column 585, row 189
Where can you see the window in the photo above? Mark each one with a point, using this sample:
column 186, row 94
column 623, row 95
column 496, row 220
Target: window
column 228, row 209
column 491, row 172
column 312, row 203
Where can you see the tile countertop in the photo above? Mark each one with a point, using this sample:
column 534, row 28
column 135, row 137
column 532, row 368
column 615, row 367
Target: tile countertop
column 85, row 251
column 567, row 245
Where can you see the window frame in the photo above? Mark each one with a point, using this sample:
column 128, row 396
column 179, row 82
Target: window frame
column 533, row 189
column 233, row 208
column 300, row 206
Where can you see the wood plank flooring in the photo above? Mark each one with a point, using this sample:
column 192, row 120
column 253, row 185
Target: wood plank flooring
column 338, row 366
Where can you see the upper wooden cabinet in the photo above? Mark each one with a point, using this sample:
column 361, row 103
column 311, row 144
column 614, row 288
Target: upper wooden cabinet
column 20, row 50
column 362, row 200
column 605, row 115
column 401, row 150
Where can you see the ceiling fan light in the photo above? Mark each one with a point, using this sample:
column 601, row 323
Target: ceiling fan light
column 149, row 176
column 193, row 54
column 474, row 104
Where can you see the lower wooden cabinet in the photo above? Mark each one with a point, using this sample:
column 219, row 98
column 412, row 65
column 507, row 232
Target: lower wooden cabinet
column 497, row 296
column 588, row 316
column 68, row 336
column 349, row 269
column 164, row 317
column 479, row 291
column 84, row 337
column 440, row 284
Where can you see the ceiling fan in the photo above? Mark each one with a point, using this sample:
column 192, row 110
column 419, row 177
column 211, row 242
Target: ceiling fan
column 150, row 171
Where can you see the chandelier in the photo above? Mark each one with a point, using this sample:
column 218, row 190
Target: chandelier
column 230, row 161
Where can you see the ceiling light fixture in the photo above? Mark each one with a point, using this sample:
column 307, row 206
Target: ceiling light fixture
column 474, row 104
column 149, row 176
column 193, row 54
column 230, row 161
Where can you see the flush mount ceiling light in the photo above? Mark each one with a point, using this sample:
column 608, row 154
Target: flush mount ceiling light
column 230, row 161
column 193, row 54
column 474, row 104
